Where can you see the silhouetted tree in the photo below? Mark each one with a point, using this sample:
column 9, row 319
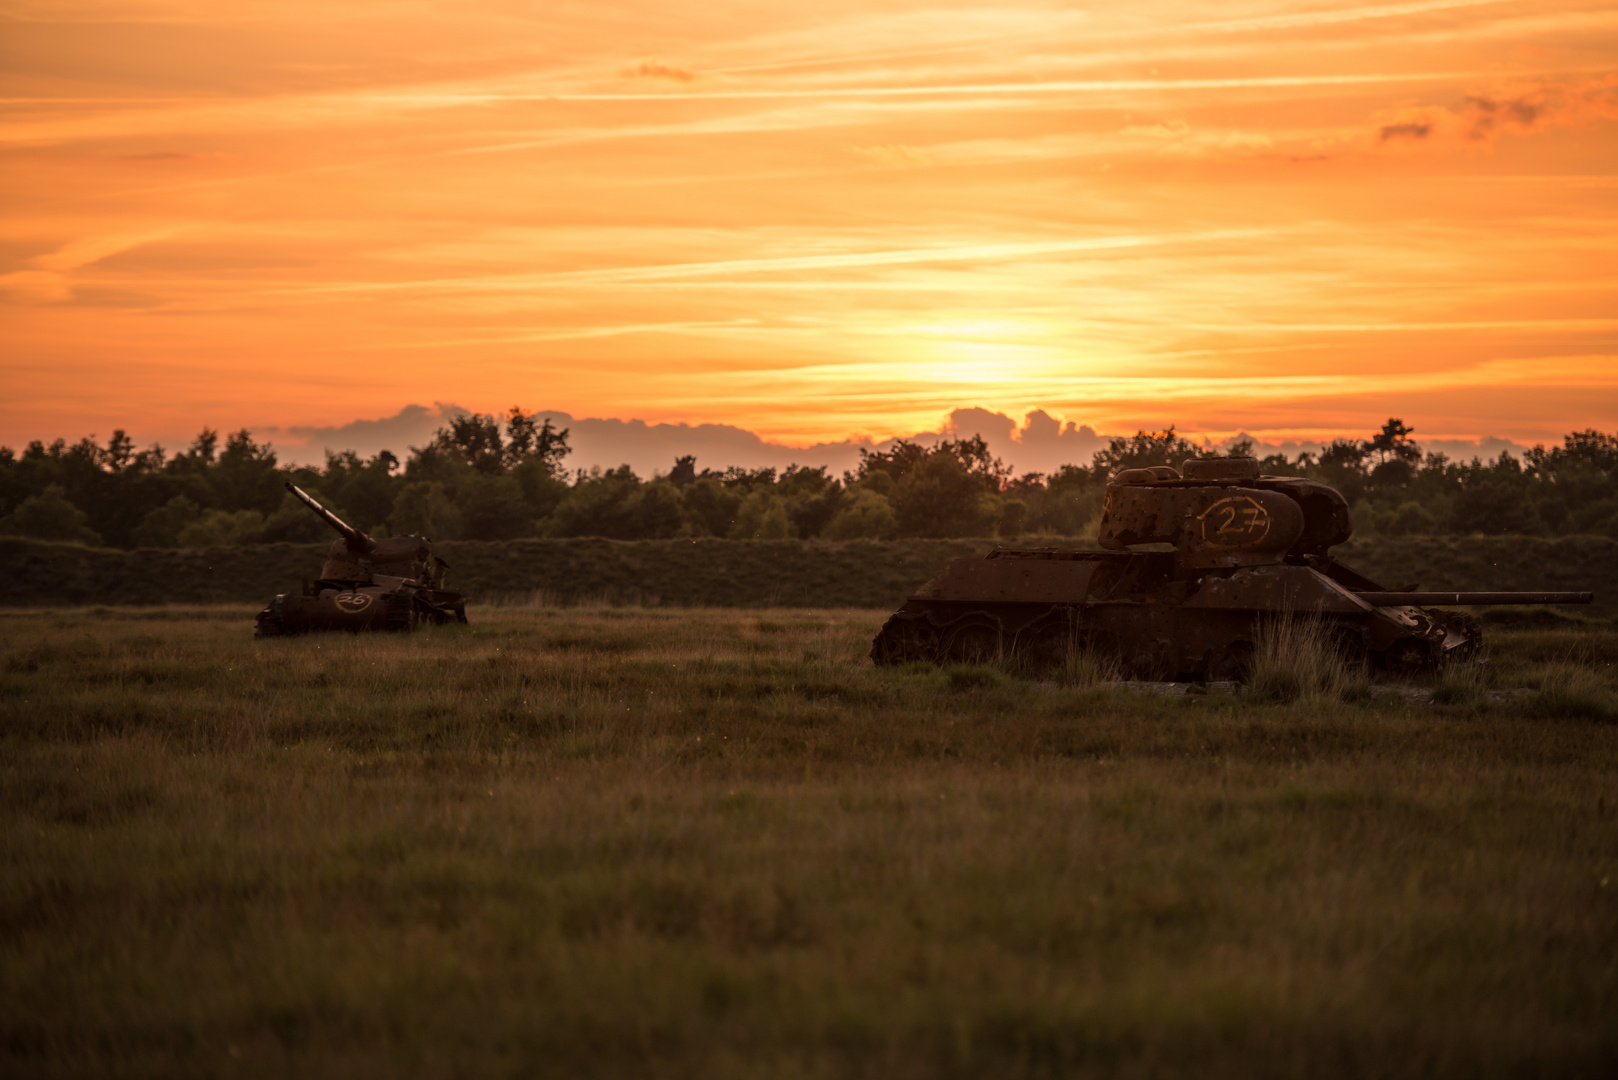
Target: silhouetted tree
column 484, row 478
column 527, row 442
column 684, row 473
column 1393, row 443
column 1143, row 450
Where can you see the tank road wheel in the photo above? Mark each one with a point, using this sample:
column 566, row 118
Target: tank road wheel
column 1409, row 656
column 1234, row 663
column 269, row 622
column 905, row 639
column 1045, row 643
column 975, row 639
column 1349, row 642
column 401, row 616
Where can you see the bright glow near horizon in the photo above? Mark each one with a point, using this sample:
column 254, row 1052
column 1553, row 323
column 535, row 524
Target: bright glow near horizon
column 813, row 222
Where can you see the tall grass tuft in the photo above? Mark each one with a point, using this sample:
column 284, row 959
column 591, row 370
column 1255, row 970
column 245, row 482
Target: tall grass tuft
column 1085, row 669
column 964, row 677
column 1296, row 658
column 1573, row 692
column 1465, row 684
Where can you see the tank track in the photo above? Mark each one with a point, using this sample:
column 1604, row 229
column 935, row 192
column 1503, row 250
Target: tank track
column 1045, row 640
column 401, row 614
column 974, row 637
column 905, row 639
column 269, row 622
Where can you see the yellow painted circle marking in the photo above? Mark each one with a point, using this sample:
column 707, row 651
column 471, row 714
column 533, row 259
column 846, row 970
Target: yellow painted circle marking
column 1234, row 522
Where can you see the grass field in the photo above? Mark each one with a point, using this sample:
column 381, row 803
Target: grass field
column 670, row 843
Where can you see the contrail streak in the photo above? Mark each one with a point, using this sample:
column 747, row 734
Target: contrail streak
column 1073, row 86
column 621, row 275
column 1326, row 18
column 1264, row 22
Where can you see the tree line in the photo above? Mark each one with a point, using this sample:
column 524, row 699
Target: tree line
column 499, row 478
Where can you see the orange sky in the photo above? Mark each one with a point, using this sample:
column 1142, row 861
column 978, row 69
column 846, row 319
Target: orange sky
column 811, row 220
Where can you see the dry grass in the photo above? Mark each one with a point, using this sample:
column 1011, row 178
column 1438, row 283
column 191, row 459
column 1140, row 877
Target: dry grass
column 1572, row 691
column 1464, row 683
column 1086, row 669
column 1297, row 659
column 621, row 842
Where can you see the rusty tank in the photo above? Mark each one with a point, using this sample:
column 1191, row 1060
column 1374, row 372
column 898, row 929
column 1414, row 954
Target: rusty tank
column 1193, row 561
column 365, row 584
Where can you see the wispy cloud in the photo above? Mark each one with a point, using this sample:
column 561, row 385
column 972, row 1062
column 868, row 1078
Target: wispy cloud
column 49, row 277
column 814, row 221
column 1057, row 86
column 1310, row 19
column 1518, row 107
column 654, row 69
column 796, row 263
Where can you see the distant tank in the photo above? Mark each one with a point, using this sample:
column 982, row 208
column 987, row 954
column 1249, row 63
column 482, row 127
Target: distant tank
column 365, row 584
column 1194, row 561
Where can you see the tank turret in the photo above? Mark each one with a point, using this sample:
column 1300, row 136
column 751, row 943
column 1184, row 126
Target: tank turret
column 1221, row 512
column 1192, row 560
column 365, row 584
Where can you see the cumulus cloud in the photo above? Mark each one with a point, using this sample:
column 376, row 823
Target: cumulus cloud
column 652, row 448
column 412, row 425
column 654, row 69
column 1041, row 444
column 647, row 448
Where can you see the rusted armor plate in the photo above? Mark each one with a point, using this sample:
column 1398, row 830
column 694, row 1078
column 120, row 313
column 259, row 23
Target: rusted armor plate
column 1277, row 588
column 1211, row 524
column 1043, row 581
column 365, row 584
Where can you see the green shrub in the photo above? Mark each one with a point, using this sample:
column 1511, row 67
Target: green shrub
column 222, row 528
column 423, row 509
column 761, row 516
column 50, row 516
column 293, row 523
column 160, row 528
column 863, row 515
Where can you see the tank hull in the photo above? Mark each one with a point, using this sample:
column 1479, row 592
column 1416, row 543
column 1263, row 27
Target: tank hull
column 1146, row 614
column 365, row 584
column 358, row 608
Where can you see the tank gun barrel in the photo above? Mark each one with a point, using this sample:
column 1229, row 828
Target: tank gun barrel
column 1467, row 599
column 357, row 541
